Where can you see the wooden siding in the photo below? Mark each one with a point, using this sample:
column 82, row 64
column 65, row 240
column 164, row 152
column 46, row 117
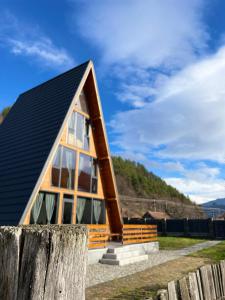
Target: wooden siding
column 98, row 236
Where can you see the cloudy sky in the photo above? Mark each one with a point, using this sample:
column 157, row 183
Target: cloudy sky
column 161, row 72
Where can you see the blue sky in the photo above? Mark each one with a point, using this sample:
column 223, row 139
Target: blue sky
column 160, row 67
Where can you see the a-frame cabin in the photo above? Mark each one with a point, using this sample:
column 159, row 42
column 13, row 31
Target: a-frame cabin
column 55, row 164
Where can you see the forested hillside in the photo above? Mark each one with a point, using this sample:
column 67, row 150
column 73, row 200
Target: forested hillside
column 3, row 113
column 133, row 179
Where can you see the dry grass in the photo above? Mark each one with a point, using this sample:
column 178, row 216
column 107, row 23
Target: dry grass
column 144, row 284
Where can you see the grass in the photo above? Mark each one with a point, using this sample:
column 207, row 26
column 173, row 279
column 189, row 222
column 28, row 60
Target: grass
column 175, row 243
column 145, row 284
column 215, row 253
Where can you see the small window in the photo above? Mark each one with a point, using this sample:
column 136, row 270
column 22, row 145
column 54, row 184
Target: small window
column 78, row 131
column 88, row 174
column 63, row 168
column 67, row 216
column 90, row 211
column 82, row 103
column 56, row 166
column 45, row 209
column 85, row 171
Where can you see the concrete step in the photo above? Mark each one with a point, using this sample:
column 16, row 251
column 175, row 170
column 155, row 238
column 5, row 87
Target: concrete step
column 123, row 249
column 123, row 261
column 122, row 255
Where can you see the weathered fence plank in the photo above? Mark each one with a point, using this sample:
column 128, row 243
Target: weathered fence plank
column 207, row 283
column 183, row 288
column 9, row 261
column 193, row 286
column 198, row 276
column 43, row 262
column 172, row 291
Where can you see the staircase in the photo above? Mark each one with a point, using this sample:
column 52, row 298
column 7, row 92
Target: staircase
column 123, row 255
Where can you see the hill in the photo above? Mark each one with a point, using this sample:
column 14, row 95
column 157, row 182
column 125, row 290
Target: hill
column 214, row 208
column 133, row 179
column 218, row 203
column 141, row 190
column 4, row 113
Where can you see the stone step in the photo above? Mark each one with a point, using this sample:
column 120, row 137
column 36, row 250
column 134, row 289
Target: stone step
column 121, row 249
column 122, row 255
column 124, row 261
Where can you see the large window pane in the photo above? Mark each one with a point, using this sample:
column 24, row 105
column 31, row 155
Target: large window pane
column 90, row 211
column 80, row 131
column 71, row 129
column 68, row 169
column 67, row 209
column 82, row 103
column 85, row 171
column 98, row 212
column 87, row 135
column 63, row 169
column 46, row 210
column 56, row 167
column 84, row 211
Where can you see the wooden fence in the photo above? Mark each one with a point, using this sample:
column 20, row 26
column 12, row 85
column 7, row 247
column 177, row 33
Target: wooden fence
column 205, row 228
column 207, row 283
column 133, row 234
column 98, row 236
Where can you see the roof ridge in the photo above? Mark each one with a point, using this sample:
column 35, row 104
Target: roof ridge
column 53, row 78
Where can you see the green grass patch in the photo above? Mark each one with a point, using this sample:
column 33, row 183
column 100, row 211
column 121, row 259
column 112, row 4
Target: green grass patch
column 214, row 253
column 175, row 243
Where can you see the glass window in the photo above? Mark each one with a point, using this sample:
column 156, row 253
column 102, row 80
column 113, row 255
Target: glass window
column 67, row 209
column 78, row 131
column 84, row 211
column 99, row 216
column 94, row 179
column 63, row 169
column 85, row 171
column 90, row 211
column 82, row 103
column 87, row 135
column 68, row 169
column 56, row 167
column 88, row 174
column 71, row 129
column 45, row 209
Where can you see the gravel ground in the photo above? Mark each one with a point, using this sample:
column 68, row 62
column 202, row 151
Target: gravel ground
column 99, row 273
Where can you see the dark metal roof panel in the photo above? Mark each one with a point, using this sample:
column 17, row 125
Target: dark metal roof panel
column 26, row 139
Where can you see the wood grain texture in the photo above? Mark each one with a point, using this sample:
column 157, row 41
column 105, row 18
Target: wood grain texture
column 43, row 262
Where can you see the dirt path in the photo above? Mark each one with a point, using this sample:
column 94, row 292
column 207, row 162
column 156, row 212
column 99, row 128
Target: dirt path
column 99, row 273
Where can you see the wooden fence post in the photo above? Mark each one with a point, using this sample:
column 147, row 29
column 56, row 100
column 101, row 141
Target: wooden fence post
column 9, row 261
column 49, row 262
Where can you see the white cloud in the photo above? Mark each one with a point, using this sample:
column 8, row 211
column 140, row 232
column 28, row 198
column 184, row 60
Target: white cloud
column 186, row 120
column 29, row 41
column 202, row 183
column 144, row 33
column 199, row 191
column 157, row 50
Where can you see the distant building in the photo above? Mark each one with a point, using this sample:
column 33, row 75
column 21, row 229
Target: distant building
column 156, row 215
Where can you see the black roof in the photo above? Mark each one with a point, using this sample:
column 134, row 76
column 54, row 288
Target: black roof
column 27, row 136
